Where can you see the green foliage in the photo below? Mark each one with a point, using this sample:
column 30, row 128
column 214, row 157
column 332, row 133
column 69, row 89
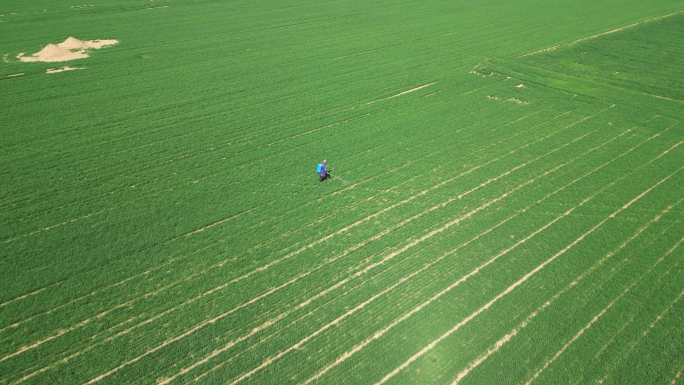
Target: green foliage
column 161, row 218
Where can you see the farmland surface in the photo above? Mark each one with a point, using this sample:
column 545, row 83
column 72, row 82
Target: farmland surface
column 505, row 205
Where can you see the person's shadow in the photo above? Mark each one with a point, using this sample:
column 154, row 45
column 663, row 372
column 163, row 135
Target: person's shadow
column 324, row 176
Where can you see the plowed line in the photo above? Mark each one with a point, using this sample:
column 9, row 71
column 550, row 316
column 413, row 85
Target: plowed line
column 158, row 316
column 598, row 316
column 319, row 200
column 472, row 365
column 598, row 35
column 413, row 243
column 676, row 377
column 216, row 223
column 83, row 297
column 414, row 89
column 663, row 313
column 344, row 229
column 520, row 281
column 633, row 344
column 27, row 295
column 377, row 335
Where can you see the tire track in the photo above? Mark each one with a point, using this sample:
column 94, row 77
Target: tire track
column 598, row 35
column 651, row 326
column 217, row 265
column 472, row 365
column 93, row 293
column 414, row 89
column 27, row 295
column 677, row 376
column 377, row 335
column 323, row 239
column 598, row 316
column 398, row 168
column 413, row 243
column 523, row 279
column 215, row 353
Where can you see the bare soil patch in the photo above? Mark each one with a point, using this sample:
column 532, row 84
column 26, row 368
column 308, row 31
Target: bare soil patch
column 70, row 49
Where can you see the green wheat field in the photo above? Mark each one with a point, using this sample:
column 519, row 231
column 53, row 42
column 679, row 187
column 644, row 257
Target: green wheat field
column 506, row 203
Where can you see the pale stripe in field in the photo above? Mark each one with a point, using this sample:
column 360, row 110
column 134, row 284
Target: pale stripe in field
column 315, row 243
column 100, row 315
column 353, row 185
column 56, row 225
column 633, row 344
column 629, row 26
column 662, row 314
column 612, row 339
column 36, row 344
column 598, row 316
column 369, row 267
column 414, row 89
column 377, row 335
column 262, row 268
column 519, row 282
column 211, row 291
column 513, row 332
column 676, row 377
column 305, row 303
column 221, row 263
column 391, row 255
column 633, row 316
column 85, row 296
column 598, row 35
column 24, row 296
column 386, row 258
column 215, row 223
column 462, row 245
column 108, row 339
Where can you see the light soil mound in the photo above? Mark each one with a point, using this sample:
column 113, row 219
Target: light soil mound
column 72, row 43
column 70, row 49
column 53, row 53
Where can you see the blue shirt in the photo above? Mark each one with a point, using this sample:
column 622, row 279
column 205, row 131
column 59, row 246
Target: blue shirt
column 320, row 168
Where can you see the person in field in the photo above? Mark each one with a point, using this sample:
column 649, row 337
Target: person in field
column 322, row 170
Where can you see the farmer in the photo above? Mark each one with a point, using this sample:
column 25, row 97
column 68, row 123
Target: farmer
column 322, row 170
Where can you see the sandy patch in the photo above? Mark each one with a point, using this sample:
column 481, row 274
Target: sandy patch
column 53, row 53
column 70, row 49
column 15, row 75
column 676, row 378
column 481, row 74
column 517, row 101
column 72, row 43
column 62, row 69
column 521, row 86
column 509, row 100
